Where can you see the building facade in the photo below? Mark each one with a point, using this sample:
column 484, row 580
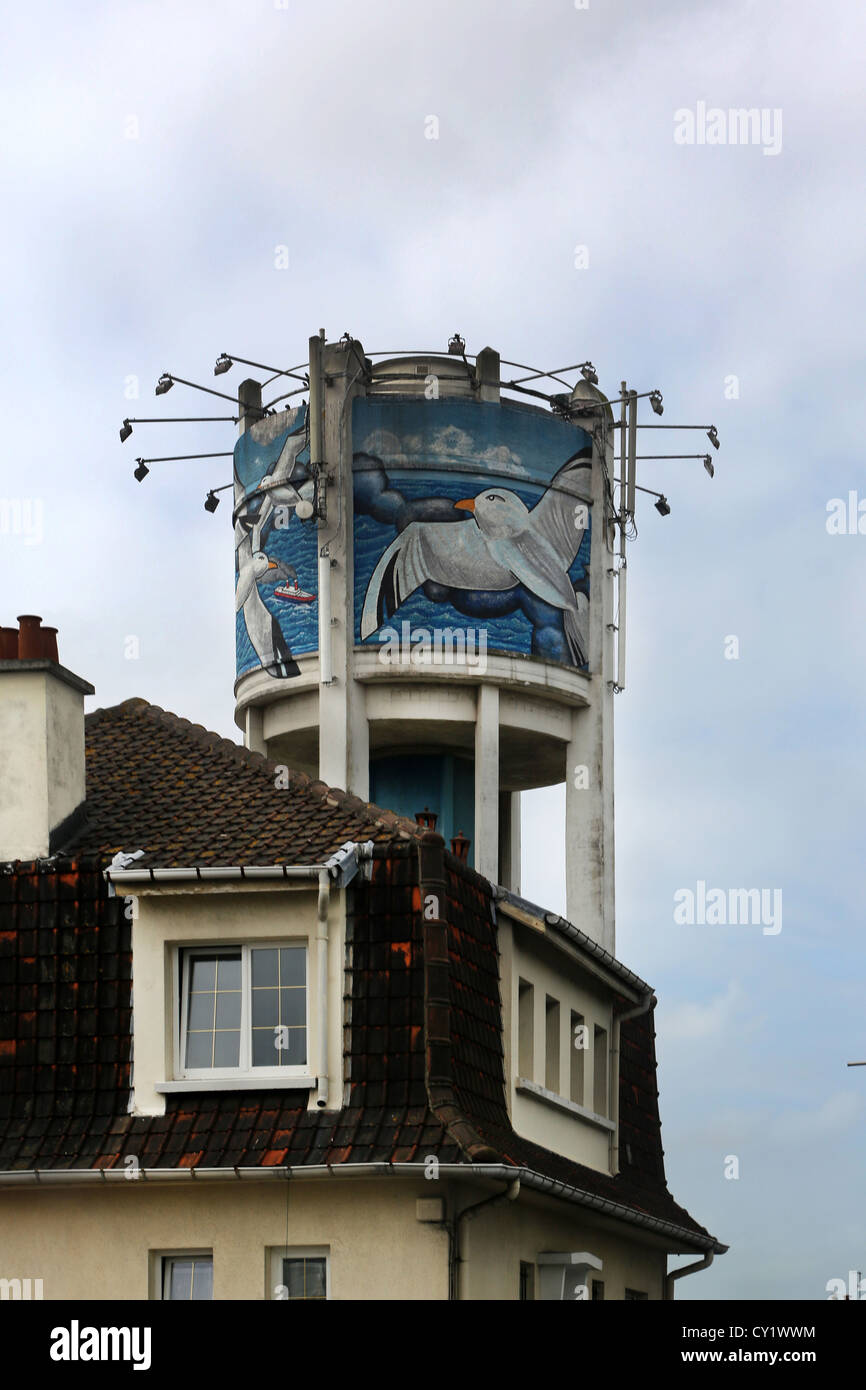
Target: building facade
column 261, row 1037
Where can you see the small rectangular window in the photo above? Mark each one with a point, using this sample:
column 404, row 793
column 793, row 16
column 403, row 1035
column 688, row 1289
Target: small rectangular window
column 632, row 1294
column 599, row 1089
column 598, row 1290
column 187, row 1278
column 243, row 1009
column 578, row 1045
column 299, row 1274
column 527, row 1281
column 551, row 1039
column 525, row 1029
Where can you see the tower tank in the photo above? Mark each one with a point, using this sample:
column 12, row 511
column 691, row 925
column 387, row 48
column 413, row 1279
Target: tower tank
column 424, row 600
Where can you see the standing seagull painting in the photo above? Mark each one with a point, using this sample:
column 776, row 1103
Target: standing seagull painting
column 254, row 567
column 502, row 544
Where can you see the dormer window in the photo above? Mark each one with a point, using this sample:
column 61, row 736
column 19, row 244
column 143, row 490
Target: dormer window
column 243, row 1010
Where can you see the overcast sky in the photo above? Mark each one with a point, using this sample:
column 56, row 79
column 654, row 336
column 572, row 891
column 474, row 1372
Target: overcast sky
column 155, row 157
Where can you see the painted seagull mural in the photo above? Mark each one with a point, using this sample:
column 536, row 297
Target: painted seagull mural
column 285, row 485
column 255, row 568
column 502, row 544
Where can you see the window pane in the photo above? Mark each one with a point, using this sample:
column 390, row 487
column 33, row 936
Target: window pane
column 276, row 1003
column 202, row 1283
column 265, row 965
column 305, row 1278
column 265, row 1008
column 265, row 1052
column 199, row 1049
column 293, row 965
column 202, row 972
column 229, row 974
column 294, row 1054
column 214, row 1010
column 228, row 1010
column 226, row 1049
column 201, row 1007
column 293, row 1007
column 180, row 1281
column 190, row 1278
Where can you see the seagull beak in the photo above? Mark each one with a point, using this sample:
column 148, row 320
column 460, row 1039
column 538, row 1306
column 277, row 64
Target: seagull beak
column 272, row 564
column 467, row 504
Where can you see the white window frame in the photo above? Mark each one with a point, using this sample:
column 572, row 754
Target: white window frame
column 245, row 1068
column 275, row 1256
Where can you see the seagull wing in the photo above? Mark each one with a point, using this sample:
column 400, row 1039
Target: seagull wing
column 285, row 464
column 451, row 553
column 542, row 571
column 556, row 517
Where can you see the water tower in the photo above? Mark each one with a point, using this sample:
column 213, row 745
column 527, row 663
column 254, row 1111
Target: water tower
column 426, row 566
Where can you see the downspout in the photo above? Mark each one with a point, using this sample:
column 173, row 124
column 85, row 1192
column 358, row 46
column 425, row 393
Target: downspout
column 322, row 907
column 686, row 1269
column 648, row 1002
column 455, row 1259
column 341, row 869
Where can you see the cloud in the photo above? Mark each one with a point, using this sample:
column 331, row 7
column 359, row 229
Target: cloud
column 691, row 1021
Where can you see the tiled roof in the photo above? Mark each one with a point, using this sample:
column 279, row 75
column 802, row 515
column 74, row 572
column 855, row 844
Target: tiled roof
column 186, row 796
column 423, row 1048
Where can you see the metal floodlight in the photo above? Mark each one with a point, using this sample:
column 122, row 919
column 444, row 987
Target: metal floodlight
column 457, row 345
column 589, row 373
column 662, row 506
column 125, row 431
column 211, row 502
column 223, row 364
column 708, row 465
column 164, row 384
column 713, row 436
column 141, row 471
column 655, row 400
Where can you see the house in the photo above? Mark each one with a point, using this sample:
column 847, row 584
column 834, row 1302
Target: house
column 263, row 1039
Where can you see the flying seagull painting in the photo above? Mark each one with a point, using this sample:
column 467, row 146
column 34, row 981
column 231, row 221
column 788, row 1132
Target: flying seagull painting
column 494, row 543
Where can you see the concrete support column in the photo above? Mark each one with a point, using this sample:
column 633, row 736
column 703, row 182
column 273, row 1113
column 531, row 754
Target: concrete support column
column 343, row 736
column 253, row 730
column 509, row 841
column 486, row 847
column 589, row 840
column 250, row 404
column 584, row 842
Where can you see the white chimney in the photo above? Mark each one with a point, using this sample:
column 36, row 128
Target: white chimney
column 41, row 742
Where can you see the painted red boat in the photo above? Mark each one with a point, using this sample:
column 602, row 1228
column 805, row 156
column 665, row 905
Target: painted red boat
column 292, row 593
